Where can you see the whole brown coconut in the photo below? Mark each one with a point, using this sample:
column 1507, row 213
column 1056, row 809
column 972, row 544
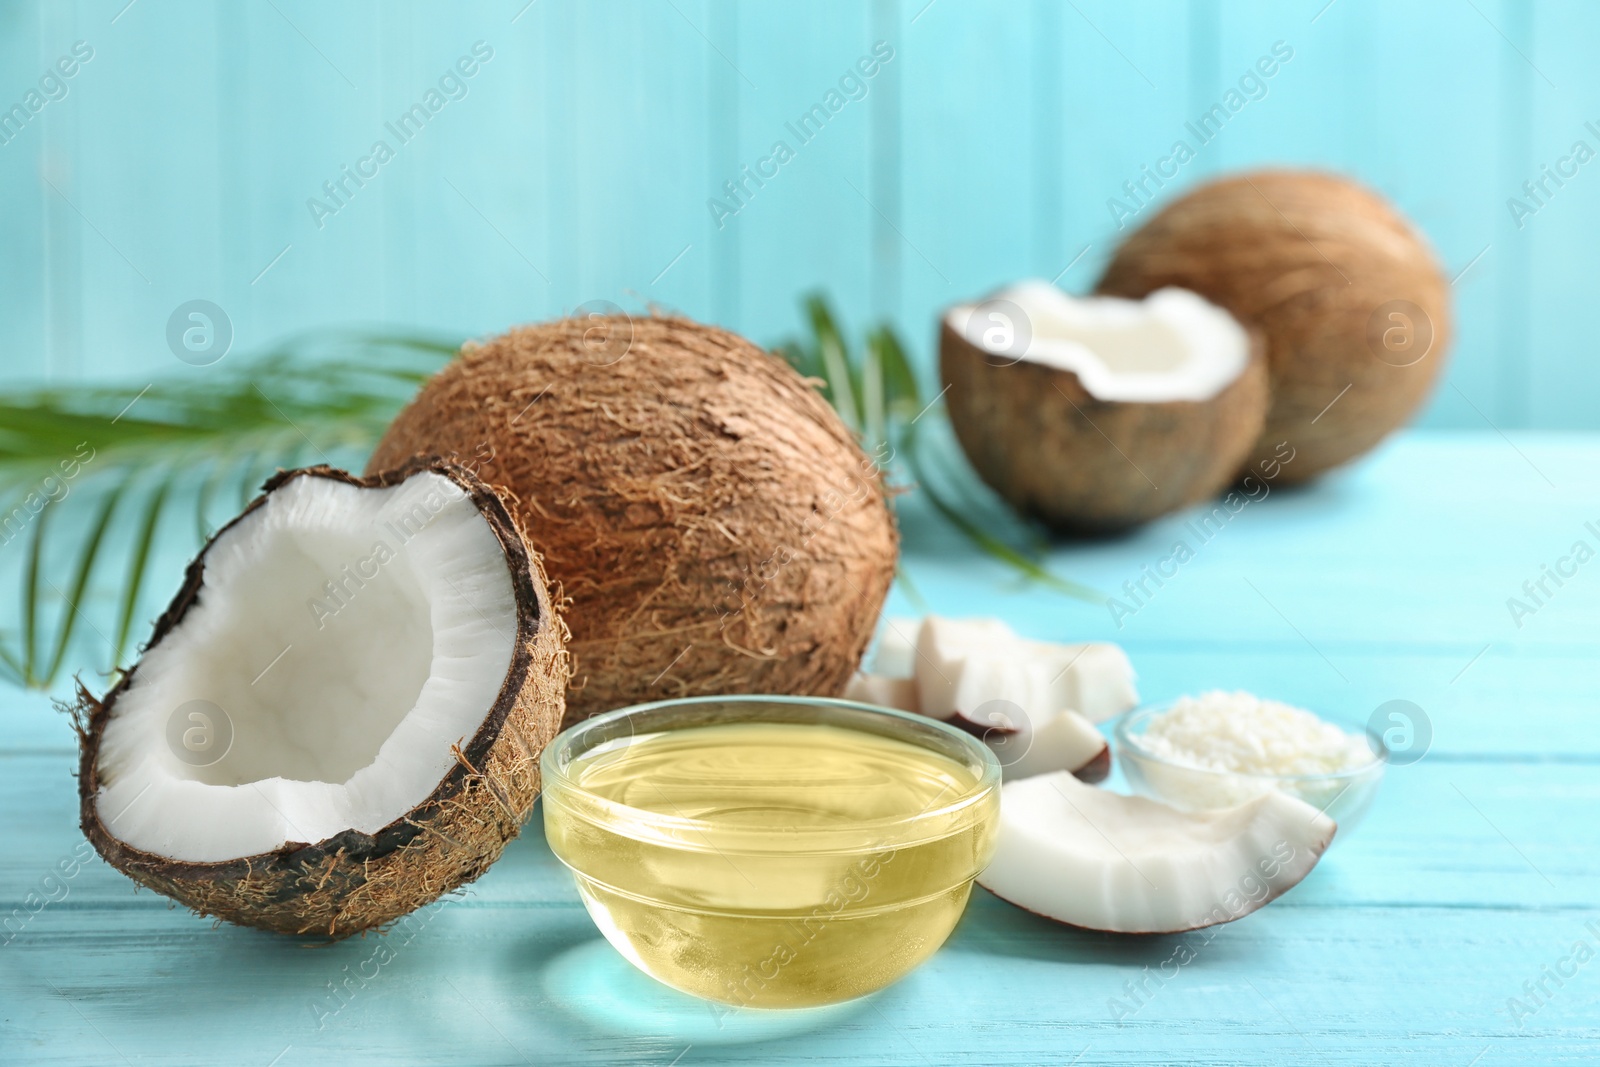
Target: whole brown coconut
column 1351, row 301
column 1086, row 465
column 350, row 880
column 714, row 524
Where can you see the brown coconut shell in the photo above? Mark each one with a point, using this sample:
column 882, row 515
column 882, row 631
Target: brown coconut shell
column 356, row 881
column 1315, row 262
column 1088, row 466
column 713, row 523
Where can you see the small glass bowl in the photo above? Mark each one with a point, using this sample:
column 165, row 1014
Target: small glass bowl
column 1344, row 796
column 824, row 908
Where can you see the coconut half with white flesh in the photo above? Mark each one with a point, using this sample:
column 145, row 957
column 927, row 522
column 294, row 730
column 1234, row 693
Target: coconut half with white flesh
column 1095, row 414
column 339, row 717
column 1099, row 860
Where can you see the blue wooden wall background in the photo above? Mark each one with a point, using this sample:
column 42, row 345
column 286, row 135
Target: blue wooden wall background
column 580, row 163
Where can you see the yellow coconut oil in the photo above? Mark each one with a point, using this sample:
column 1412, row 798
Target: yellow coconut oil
column 773, row 864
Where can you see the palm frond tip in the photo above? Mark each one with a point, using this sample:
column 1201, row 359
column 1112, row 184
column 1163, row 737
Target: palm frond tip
column 877, row 395
column 116, row 461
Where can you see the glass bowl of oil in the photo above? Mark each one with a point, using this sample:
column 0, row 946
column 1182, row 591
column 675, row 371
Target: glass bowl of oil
column 767, row 851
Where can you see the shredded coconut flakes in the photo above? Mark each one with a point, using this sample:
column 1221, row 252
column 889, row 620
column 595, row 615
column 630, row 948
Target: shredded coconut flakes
column 1240, row 733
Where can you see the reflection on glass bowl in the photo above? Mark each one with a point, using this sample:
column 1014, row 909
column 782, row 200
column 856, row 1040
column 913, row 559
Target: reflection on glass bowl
column 1344, row 796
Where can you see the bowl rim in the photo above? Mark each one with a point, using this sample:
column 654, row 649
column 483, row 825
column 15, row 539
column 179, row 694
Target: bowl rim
column 1128, row 742
column 905, row 726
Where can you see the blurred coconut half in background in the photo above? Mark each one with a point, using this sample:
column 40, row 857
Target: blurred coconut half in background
column 1348, row 297
column 1096, row 414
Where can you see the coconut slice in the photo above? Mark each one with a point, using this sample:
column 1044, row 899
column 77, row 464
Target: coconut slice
column 895, row 653
column 1094, row 678
column 962, row 664
column 1065, row 741
column 1033, row 702
column 1102, row 861
column 1095, row 414
column 885, row 692
column 339, row 717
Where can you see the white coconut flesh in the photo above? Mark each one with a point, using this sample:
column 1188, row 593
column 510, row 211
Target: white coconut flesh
column 349, row 637
column 962, row 664
column 1064, row 742
column 1172, row 345
column 1034, row 703
column 900, row 693
column 894, row 655
column 1096, row 859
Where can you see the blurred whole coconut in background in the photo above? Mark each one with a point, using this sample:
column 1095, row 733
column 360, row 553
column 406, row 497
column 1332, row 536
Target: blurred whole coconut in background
column 1096, row 414
column 1350, row 300
column 713, row 522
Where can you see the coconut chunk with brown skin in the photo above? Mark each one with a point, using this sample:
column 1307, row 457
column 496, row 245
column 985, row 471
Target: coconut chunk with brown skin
column 1095, row 414
column 1095, row 859
column 1018, row 696
column 1065, row 741
column 339, row 718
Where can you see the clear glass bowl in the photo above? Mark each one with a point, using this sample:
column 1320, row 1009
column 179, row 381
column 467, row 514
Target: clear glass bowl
column 801, row 883
column 1344, row 796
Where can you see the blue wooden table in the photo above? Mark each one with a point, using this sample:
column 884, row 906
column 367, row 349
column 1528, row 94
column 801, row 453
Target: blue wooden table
column 1430, row 936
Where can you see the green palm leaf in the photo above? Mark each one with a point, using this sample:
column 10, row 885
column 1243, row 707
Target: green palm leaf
column 80, row 582
column 877, row 396
column 140, row 563
column 118, row 459
column 834, row 360
column 30, row 601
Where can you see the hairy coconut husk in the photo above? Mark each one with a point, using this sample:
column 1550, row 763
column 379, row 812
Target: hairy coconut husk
column 1088, row 466
column 713, row 522
column 356, row 881
column 1316, row 262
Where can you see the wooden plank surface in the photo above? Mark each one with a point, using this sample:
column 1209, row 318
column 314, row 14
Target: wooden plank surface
column 1477, row 868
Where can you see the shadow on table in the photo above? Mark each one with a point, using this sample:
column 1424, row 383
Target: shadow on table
column 600, row 990
column 995, row 927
